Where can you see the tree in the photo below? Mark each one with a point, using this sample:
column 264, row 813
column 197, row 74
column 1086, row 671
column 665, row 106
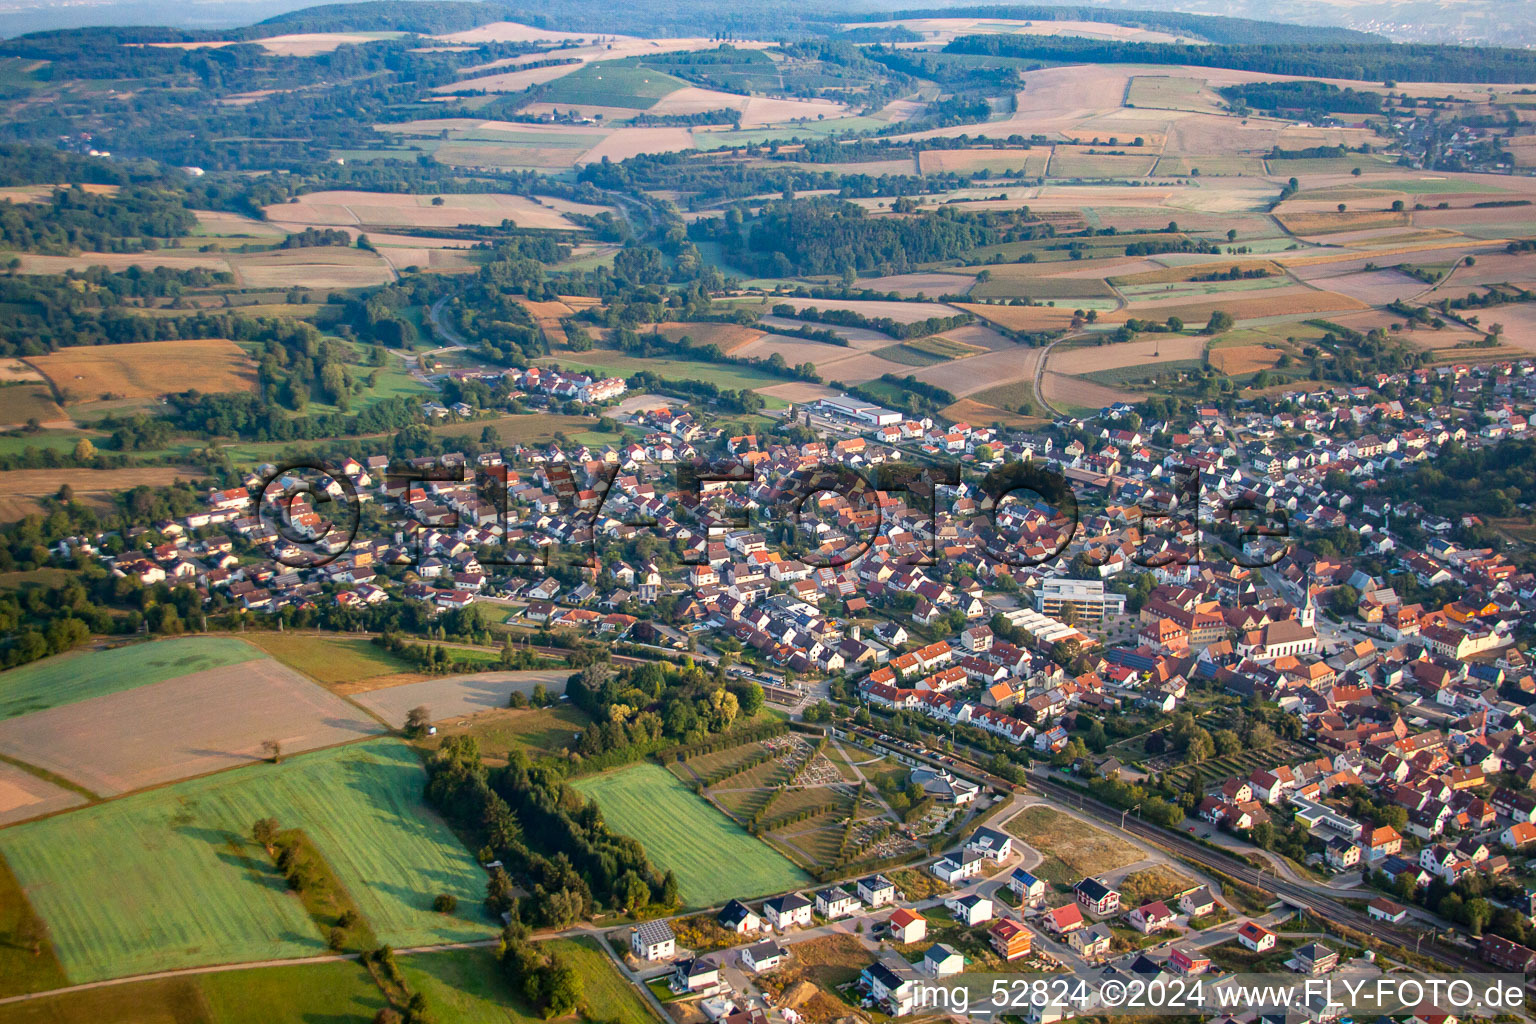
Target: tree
column 273, row 749
column 631, row 893
column 84, row 450
column 1220, row 321
column 1342, row 207
column 669, row 896
column 445, row 903
column 417, row 720
column 751, row 699
column 264, row 831
column 561, row 987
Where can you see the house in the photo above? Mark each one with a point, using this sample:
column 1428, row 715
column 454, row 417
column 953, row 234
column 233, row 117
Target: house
column 1096, row 897
column 1314, row 958
column 892, row 983
column 942, row 960
column 1341, row 854
column 1382, row 842
column 1065, row 920
column 791, row 911
column 697, row 976
column 1518, row 835
column 835, row 902
column 653, row 940
column 1382, row 909
column 1091, row 942
column 1010, row 939
column 907, row 926
column 1188, row 961
column 970, row 909
column 1198, row 902
column 1152, row 917
column 953, row 869
column 1256, row 937
column 1030, row 890
column 877, row 891
column 739, row 918
column 1511, row 956
column 763, row 956
column 993, row 844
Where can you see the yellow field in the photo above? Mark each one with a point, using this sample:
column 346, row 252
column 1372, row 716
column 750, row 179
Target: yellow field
column 968, row 161
column 1241, row 359
column 1324, row 222
column 1022, row 318
column 1262, row 305
column 147, row 369
column 388, row 209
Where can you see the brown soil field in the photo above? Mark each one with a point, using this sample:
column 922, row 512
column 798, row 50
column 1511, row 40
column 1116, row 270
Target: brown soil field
column 385, row 209
column 503, row 155
column 1063, row 391
column 1130, row 353
column 198, row 723
column 1279, row 302
column 16, row 370
column 901, row 312
column 1372, row 287
column 1240, row 359
column 755, row 110
column 1022, row 318
column 1326, row 222
column 24, row 795
column 445, row 261
column 729, row 337
column 800, row 392
column 147, row 369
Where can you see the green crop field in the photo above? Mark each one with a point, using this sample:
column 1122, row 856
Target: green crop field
column 605, row 992
column 330, row 660
column 613, row 85
column 168, row 878
column 714, row 858
column 69, row 678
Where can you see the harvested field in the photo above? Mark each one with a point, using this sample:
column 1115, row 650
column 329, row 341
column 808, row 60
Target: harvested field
column 1022, row 318
column 1147, row 352
column 630, row 142
column 147, row 369
column 120, row 261
column 913, row 285
column 1167, row 92
column 968, row 410
column 1026, row 162
column 308, row 44
column 24, row 795
column 20, row 403
column 901, row 312
column 756, row 111
column 188, row 725
column 312, row 267
column 346, row 664
column 455, row 696
column 1024, row 281
column 1240, row 359
column 1209, row 165
column 44, row 193
column 92, row 486
column 800, row 392
column 1327, row 222
column 964, row 377
column 1069, row 163
column 511, row 81
column 388, row 209
column 81, row 675
column 1276, row 302
column 169, row 879
column 728, row 337
column 1169, row 275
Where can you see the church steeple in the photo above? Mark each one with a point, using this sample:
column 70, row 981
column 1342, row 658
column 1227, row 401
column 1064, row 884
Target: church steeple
column 1309, row 609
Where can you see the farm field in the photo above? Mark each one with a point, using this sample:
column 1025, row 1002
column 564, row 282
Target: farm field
column 24, row 795
column 455, row 696
column 1145, row 353
column 331, row 661
column 714, row 858
column 1027, row 163
column 21, row 403
column 612, row 364
column 1171, row 92
column 19, row 488
column 147, row 369
column 189, row 724
column 388, row 209
column 70, row 678
column 327, row 266
column 1022, row 318
column 1069, row 163
column 608, row 995
column 1275, row 302
column 964, row 377
column 168, row 878
column 537, row 732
